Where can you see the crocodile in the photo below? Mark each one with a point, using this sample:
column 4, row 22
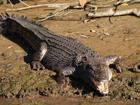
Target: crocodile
column 64, row 55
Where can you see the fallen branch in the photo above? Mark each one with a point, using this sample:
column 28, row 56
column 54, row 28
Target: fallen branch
column 69, row 5
column 60, row 17
column 38, row 6
column 127, row 1
column 56, row 12
column 93, row 7
column 111, row 12
column 24, row 3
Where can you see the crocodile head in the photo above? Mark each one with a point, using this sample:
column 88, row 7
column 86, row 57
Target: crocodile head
column 99, row 75
column 96, row 73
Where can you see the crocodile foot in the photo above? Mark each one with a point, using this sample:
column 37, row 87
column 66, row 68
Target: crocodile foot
column 63, row 84
column 36, row 65
column 62, row 81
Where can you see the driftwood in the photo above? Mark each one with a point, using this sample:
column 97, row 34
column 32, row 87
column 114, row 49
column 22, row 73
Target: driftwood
column 111, row 12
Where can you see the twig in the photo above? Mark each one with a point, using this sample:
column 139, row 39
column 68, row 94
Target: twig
column 127, row 1
column 11, row 3
column 56, row 12
column 135, row 1
column 24, row 3
column 38, row 6
column 110, row 12
column 54, row 15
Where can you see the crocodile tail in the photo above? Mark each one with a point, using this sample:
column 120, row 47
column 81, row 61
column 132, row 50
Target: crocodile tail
column 3, row 16
column 1, row 22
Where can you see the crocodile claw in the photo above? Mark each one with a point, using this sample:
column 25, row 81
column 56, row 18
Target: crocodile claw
column 62, row 83
column 36, row 65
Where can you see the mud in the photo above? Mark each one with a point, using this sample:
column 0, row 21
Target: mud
column 119, row 38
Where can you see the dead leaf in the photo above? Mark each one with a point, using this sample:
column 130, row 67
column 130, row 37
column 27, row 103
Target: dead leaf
column 106, row 33
column 82, row 2
column 86, row 20
column 10, row 47
column 124, row 4
column 84, row 36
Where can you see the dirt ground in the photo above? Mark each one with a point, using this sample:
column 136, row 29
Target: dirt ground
column 121, row 37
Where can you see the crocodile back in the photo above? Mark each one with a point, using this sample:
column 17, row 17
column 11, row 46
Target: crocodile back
column 61, row 51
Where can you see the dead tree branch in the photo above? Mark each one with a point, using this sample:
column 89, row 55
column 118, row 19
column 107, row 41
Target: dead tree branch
column 127, row 1
column 62, row 8
column 112, row 5
column 38, row 6
column 68, row 5
column 111, row 12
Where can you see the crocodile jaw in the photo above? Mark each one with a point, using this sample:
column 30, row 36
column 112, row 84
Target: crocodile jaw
column 103, row 87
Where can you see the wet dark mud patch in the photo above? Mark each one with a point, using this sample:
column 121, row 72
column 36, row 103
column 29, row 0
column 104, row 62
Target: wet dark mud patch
column 126, row 86
column 18, row 80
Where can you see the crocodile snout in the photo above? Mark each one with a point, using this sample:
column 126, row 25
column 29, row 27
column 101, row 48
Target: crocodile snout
column 103, row 87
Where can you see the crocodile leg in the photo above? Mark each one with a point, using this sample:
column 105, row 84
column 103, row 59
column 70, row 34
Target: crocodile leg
column 64, row 72
column 114, row 60
column 38, row 56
